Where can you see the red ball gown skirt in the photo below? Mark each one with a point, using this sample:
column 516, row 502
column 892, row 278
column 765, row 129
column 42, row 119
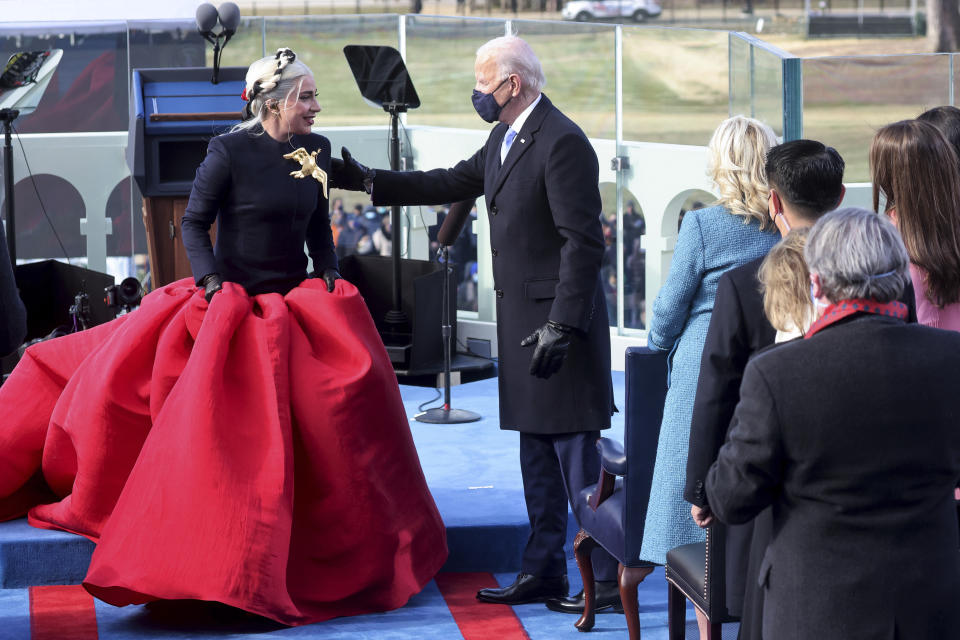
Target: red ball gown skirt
column 253, row 452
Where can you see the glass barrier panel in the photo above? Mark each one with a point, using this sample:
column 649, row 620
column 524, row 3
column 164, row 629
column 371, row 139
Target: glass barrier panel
column 663, row 183
column 244, row 47
column 954, row 92
column 319, row 42
column 578, row 61
column 60, row 190
column 845, row 100
column 675, row 86
column 740, row 78
column 88, row 91
column 440, row 56
column 767, row 89
column 159, row 44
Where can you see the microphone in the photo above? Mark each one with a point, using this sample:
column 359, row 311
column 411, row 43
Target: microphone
column 452, row 225
column 206, row 18
column 229, row 18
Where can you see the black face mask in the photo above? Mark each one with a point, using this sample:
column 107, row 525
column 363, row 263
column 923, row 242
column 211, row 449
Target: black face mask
column 486, row 105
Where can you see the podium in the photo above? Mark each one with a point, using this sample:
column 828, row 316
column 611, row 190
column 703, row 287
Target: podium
column 173, row 115
column 422, row 350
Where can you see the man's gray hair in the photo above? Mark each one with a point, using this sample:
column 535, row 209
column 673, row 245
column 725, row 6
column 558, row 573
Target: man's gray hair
column 857, row 254
column 514, row 55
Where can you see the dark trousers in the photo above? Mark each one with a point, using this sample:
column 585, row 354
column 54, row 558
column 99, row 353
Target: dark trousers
column 555, row 468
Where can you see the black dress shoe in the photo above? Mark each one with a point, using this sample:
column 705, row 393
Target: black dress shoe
column 607, row 596
column 526, row 588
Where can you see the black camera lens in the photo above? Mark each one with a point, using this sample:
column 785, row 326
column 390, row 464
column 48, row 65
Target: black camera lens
column 129, row 292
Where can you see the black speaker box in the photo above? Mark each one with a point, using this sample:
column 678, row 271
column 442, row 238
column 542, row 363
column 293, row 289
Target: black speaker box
column 49, row 288
column 421, row 301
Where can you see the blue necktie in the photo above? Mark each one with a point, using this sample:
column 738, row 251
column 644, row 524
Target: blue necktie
column 507, row 141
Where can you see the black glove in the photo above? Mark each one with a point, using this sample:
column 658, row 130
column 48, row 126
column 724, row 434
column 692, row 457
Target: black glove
column 349, row 174
column 552, row 340
column 211, row 283
column 330, row 276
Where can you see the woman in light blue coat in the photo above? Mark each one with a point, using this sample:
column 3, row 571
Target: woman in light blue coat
column 736, row 230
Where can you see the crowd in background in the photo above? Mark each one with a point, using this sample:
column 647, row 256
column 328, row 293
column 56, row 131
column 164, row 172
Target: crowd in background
column 365, row 230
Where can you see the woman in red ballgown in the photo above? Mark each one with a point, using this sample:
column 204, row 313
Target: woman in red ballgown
column 240, row 437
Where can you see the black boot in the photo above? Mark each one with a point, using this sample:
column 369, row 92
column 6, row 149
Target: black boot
column 526, row 588
column 607, row 596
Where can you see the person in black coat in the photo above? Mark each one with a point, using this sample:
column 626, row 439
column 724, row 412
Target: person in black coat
column 539, row 176
column 850, row 434
column 806, row 181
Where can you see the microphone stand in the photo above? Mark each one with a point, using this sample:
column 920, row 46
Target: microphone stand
column 396, row 317
column 219, row 41
column 216, row 62
column 444, row 414
column 7, row 116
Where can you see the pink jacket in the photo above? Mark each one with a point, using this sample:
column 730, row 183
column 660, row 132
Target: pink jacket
column 927, row 312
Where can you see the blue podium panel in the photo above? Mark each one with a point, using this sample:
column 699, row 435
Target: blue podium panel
column 173, row 115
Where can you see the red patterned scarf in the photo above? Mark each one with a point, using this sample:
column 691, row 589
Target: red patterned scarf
column 844, row 308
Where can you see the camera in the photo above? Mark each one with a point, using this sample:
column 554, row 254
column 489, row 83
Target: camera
column 125, row 296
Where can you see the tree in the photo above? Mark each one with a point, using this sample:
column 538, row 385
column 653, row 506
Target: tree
column 943, row 26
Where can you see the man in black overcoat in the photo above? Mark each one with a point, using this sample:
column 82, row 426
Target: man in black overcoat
column 850, row 434
column 539, row 176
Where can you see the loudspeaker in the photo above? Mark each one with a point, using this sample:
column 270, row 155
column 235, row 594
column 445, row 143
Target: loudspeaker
column 421, row 301
column 49, row 288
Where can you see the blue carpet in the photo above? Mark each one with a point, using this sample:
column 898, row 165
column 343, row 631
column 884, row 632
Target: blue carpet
column 30, row 556
column 425, row 617
column 14, row 614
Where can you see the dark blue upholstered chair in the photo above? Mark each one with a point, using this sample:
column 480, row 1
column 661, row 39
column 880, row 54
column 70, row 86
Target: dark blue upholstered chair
column 612, row 513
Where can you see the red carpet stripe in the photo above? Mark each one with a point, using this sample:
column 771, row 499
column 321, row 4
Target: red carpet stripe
column 60, row 612
column 478, row 620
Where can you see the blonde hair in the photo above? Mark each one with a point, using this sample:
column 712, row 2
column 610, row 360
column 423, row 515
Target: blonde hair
column 271, row 79
column 785, row 283
column 738, row 151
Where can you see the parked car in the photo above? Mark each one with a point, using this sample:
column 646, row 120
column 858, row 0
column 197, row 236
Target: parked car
column 638, row 10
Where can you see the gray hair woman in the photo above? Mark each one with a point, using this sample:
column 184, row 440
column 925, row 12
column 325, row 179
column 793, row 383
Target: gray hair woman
column 272, row 87
column 857, row 262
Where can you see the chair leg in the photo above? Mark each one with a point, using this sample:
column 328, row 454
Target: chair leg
column 714, row 631
column 677, row 613
column 630, row 577
column 583, row 544
column 704, row 628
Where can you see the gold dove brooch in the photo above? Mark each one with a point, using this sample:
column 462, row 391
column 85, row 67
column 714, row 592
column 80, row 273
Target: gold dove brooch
column 308, row 166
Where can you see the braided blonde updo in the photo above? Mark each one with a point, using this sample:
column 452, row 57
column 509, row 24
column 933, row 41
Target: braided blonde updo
column 271, row 81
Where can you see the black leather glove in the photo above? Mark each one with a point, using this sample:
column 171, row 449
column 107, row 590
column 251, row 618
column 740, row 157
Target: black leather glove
column 211, row 283
column 330, row 276
column 349, row 174
column 552, row 341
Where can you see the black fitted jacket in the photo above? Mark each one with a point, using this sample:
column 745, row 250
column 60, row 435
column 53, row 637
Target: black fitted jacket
column 264, row 215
